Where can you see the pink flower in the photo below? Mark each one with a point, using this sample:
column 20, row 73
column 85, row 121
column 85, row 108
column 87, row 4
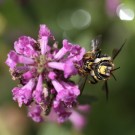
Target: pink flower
column 14, row 59
column 23, row 94
column 44, row 73
column 34, row 111
column 25, row 46
column 66, row 48
column 61, row 111
column 38, row 94
column 75, row 116
column 78, row 120
column 66, row 92
column 111, row 6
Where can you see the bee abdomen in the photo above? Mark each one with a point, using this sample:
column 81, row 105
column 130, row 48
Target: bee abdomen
column 103, row 69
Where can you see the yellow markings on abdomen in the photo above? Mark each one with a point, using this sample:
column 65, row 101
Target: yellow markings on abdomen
column 102, row 69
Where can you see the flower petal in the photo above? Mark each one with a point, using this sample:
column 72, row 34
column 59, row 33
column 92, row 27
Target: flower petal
column 66, row 48
column 38, row 92
column 25, row 46
column 23, row 94
column 34, row 111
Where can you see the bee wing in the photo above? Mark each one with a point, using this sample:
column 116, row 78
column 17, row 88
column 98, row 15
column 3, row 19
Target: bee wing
column 115, row 52
column 95, row 43
column 82, row 83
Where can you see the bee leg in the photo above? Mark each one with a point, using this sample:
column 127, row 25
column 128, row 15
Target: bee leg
column 81, row 71
column 94, row 81
column 105, row 87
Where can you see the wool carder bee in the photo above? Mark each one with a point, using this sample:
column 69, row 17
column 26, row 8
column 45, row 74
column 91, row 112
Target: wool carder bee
column 97, row 66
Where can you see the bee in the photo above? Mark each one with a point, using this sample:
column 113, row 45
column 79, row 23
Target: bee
column 98, row 66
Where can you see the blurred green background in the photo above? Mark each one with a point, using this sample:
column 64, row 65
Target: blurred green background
column 79, row 21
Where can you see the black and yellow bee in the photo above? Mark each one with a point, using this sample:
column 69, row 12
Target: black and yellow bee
column 98, row 66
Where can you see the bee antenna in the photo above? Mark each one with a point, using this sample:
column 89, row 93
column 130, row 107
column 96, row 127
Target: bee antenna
column 113, row 74
column 118, row 51
column 115, row 69
column 114, row 77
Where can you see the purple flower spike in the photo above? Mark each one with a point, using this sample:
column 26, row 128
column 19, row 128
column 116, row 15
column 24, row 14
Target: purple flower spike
column 43, row 72
column 56, row 65
column 67, row 96
column 44, row 31
column 52, row 75
column 25, row 60
column 77, row 52
column 12, row 59
column 34, row 111
column 58, row 87
column 66, row 48
column 67, row 67
column 25, row 45
column 61, row 111
column 77, row 120
column 38, row 93
column 44, row 35
column 23, row 94
column 65, row 92
column 27, row 76
column 43, row 42
column 72, row 86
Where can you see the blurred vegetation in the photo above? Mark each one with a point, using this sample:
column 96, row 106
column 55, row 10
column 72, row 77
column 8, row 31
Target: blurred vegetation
column 79, row 21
